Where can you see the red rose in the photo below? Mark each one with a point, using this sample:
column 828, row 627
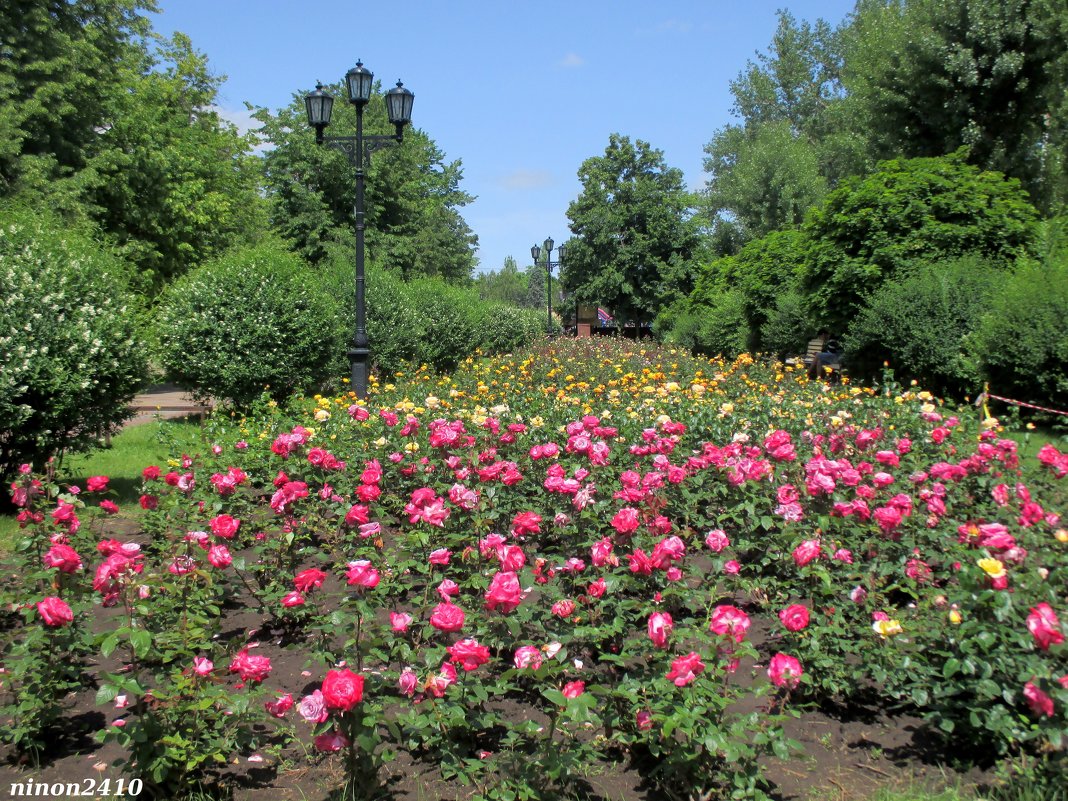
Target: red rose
column 150, row 473
column 573, row 689
column 225, row 526
column 685, row 669
column 342, row 689
column 469, row 654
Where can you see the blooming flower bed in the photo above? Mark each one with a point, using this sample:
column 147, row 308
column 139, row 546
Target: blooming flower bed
column 537, row 564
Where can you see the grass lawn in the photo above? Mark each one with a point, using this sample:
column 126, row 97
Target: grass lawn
column 130, row 452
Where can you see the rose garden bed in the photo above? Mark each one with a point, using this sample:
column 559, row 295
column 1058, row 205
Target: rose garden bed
column 594, row 570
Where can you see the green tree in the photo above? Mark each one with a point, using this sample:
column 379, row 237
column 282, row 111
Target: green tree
column 507, row 285
column 105, row 122
column 634, row 232
column 930, row 76
column 791, row 143
column 168, row 180
column 911, row 210
column 413, row 197
column 61, row 63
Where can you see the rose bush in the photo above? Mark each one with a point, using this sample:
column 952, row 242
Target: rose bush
column 587, row 534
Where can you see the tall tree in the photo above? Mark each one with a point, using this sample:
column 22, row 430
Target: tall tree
column 634, row 232
column 930, row 76
column 413, row 201
column 114, row 127
column 61, row 62
column 790, row 144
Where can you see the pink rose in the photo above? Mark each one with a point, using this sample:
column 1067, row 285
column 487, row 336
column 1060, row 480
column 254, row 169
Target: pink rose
column 1040, row 703
column 225, row 526
column 292, row 600
column 307, row 580
column 526, row 523
column 399, row 621
column 407, row 682
column 1044, row 626
column 97, row 483
column 219, row 556
column 361, row 574
column 717, row 540
column 573, row 689
column 784, row 671
column 342, row 689
column 447, row 617
column 250, row 667
column 794, row 617
column 685, row 669
column 313, row 708
column 625, row 520
column 63, row 558
column 527, row 656
column 331, row 742
column 440, row 556
column 202, row 666
column 55, row 612
column 730, row 621
column 564, row 608
column 732, row 567
column 660, row 626
column 504, row 592
column 280, row 706
column 806, row 552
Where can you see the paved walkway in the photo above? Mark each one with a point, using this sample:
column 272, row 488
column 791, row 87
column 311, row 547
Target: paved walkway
column 163, row 400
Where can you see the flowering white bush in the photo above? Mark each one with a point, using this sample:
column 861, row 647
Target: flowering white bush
column 70, row 357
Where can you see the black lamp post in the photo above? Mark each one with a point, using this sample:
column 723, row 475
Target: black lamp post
column 535, row 253
column 358, row 149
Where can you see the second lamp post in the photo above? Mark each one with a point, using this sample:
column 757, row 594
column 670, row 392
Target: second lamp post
column 535, row 253
column 359, row 82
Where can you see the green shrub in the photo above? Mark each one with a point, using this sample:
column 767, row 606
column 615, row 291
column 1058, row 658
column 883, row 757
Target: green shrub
column 918, row 323
column 508, row 328
column 1021, row 343
column 789, row 325
column 255, row 318
column 909, row 211
column 71, row 358
column 717, row 327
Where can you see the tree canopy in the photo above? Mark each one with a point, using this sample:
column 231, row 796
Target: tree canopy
column 634, row 232
column 413, row 197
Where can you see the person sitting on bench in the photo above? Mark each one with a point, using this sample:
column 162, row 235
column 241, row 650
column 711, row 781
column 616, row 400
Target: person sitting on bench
column 829, row 356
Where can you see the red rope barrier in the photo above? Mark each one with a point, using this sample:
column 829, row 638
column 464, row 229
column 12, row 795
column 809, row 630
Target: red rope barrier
column 1026, row 405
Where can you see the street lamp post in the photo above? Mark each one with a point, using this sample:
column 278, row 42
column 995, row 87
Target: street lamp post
column 358, row 149
column 535, row 252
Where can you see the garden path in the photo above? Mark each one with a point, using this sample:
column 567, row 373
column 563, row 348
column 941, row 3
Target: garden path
column 166, row 401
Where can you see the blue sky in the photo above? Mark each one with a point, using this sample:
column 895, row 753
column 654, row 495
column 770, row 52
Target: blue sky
column 522, row 92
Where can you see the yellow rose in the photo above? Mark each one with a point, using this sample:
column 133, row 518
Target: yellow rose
column 992, row 567
column 887, row 628
column 954, row 617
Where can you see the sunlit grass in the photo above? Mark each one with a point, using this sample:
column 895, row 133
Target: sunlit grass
column 130, row 452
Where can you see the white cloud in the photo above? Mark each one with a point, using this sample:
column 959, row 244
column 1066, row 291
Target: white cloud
column 526, row 179
column 570, row 61
column 243, row 120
